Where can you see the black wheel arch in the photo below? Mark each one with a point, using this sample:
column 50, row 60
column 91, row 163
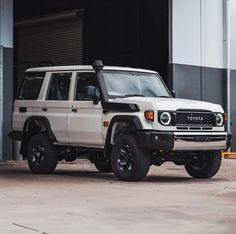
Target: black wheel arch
column 27, row 133
column 130, row 119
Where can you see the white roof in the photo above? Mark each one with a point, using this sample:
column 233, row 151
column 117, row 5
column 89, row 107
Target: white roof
column 84, row 67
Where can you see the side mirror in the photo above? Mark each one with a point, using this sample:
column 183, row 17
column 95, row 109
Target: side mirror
column 92, row 93
column 172, row 92
column 96, row 97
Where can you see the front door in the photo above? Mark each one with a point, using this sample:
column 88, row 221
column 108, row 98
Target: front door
column 85, row 117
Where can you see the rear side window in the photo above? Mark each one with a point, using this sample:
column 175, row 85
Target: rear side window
column 59, row 87
column 31, row 86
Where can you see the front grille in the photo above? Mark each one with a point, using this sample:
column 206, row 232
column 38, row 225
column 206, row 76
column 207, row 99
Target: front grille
column 195, row 118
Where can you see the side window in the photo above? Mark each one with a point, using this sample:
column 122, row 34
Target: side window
column 59, row 86
column 85, row 86
column 31, row 86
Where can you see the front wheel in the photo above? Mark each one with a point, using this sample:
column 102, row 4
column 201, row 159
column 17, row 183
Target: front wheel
column 204, row 165
column 129, row 161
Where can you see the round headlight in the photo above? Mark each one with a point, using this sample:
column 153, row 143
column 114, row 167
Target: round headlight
column 165, row 118
column 219, row 119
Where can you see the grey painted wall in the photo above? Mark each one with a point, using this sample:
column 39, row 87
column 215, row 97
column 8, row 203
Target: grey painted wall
column 199, row 83
column 233, row 35
column 1, row 100
column 6, row 77
column 7, row 147
column 233, row 108
column 233, row 72
column 186, row 81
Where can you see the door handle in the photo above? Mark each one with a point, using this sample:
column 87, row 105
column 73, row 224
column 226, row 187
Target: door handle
column 22, row 109
column 45, row 109
column 74, row 110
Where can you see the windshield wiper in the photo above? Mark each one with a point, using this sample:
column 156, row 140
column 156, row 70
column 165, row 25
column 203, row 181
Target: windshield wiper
column 134, row 95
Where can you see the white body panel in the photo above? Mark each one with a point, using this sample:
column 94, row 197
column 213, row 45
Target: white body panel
column 84, row 127
column 57, row 115
column 168, row 104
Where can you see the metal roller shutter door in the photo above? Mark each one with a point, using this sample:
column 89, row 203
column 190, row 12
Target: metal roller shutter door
column 59, row 40
column 56, row 38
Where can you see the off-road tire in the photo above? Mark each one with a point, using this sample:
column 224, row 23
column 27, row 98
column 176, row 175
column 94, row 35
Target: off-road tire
column 210, row 168
column 41, row 143
column 140, row 159
column 103, row 166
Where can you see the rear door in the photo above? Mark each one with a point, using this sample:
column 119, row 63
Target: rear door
column 85, row 118
column 56, row 105
column 26, row 103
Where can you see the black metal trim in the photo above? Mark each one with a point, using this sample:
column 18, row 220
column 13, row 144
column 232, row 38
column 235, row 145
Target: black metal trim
column 120, row 107
column 229, row 142
column 173, row 116
column 119, row 118
column 106, row 105
column 153, row 140
column 25, row 136
column 15, row 135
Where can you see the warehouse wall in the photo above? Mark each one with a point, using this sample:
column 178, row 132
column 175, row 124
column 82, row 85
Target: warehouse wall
column 233, row 66
column 198, row 33
column 198, row 49
column 197, row 61
column 233, row 33
column 6, row 76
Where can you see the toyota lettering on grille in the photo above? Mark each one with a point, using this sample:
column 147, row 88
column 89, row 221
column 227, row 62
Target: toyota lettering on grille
column 201, row 118
column 195, row 118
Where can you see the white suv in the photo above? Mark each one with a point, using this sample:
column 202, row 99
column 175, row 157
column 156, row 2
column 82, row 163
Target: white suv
column 122, row 119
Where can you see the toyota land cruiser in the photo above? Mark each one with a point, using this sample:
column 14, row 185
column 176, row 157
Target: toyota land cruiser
column 122, row 119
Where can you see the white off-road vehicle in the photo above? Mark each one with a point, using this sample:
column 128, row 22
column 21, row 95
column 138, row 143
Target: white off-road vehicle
column 122, row 119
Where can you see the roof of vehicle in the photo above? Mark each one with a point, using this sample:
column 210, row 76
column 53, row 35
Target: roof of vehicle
column 84, row 67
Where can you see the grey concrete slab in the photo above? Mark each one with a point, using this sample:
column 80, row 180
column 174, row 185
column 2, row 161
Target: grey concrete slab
column 78, row 199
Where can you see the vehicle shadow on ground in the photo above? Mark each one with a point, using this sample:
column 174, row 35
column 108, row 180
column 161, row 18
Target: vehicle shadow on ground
column 94, row 176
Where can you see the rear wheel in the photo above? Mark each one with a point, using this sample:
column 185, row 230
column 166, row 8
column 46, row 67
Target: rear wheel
column 103, row 166
column 204, row 165
column 42, row 155
column 129, row 162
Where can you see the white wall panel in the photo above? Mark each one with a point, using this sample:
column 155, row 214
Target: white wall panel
column 212, row 33
column 197, row 33
column 186, row 32
column 233, row 33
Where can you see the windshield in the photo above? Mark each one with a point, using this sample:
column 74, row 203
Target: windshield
column 128, row 84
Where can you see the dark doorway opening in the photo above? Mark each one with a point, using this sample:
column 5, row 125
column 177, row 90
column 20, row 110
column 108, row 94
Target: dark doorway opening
column 120, row 32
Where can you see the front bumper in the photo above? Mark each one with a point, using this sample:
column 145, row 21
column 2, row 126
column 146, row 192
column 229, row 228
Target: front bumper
column 184, row 141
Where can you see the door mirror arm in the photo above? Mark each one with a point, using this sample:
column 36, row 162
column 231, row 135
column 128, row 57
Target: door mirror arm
column 96, row 97
column 96, row 100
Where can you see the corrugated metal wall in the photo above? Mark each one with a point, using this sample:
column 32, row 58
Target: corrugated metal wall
column 57, row 38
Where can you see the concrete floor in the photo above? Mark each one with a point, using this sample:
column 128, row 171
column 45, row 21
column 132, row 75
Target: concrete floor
column 78, row 199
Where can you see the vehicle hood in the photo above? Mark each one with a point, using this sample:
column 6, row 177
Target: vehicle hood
column 171, row 104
